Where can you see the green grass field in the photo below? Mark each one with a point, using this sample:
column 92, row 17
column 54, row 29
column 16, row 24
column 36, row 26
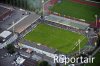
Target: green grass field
column 80, row 11
column 60, row 39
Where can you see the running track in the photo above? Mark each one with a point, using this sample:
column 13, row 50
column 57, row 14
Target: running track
column 87, row 3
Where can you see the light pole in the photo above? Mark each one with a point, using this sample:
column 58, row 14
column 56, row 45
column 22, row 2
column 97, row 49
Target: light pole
column 13, row 27
column 96, row 20
column 43, row 8
column 79, row 41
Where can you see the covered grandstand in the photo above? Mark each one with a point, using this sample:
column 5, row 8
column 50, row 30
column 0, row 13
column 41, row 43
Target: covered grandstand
column 67, row 22
column 23, row 24
column 5, row 12
column 38, row 48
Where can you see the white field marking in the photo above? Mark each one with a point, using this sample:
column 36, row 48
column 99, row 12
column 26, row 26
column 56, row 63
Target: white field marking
column 17, row 22
column 75, row 45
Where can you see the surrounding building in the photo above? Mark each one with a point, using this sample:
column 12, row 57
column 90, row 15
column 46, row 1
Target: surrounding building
column 7, row 37
column 5, row 12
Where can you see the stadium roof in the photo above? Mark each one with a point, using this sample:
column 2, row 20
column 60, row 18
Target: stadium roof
column 39, row 46
column 67, row 22
column 23, row 24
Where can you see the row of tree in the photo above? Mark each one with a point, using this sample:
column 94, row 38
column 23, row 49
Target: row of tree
column 18, row 3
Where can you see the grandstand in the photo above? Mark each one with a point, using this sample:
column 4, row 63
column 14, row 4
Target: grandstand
column 67, row 22
column 24, row 23
column 4, row 12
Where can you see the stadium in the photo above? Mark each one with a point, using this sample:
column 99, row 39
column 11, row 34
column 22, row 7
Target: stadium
column 53, row 37
column 62, row 31
column 65, row 29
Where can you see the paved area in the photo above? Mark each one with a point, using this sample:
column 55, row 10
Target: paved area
column 14, row 17
column 19, row 20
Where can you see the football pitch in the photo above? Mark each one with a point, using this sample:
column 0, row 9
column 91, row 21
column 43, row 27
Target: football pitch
column 57, row 38
column 76, row 10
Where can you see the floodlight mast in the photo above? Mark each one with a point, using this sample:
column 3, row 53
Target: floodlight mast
column 96, row 16
column 13, row 27
column 43, row 8
column 79, row 41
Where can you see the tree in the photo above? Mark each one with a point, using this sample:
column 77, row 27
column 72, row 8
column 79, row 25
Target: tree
column 10, row 48
column 57, row 64
column 43, row 63
column 24, row 4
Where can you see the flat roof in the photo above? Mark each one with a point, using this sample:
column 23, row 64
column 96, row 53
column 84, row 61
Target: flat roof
column 20, row 60
column 5, row 34
column 30, row 62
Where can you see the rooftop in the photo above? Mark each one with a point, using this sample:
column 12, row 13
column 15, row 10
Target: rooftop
column 3, row 10
column 20, row 60
column 30, row 62
column 5, row 34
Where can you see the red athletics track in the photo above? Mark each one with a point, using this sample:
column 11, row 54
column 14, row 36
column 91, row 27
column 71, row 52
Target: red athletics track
column 87, row 3
column 90, row 4
column 47, row 5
